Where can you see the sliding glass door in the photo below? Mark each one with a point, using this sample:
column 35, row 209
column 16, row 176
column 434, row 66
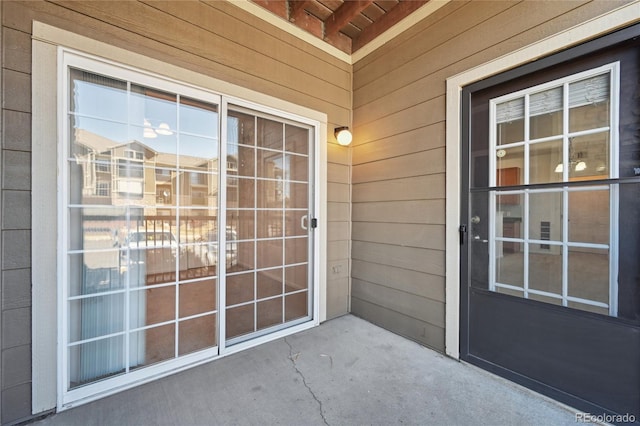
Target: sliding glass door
column 167, row 254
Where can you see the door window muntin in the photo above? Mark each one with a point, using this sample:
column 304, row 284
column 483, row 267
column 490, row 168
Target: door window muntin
column 513, row 139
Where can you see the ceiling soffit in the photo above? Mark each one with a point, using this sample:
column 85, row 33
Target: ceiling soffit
column 347, row 25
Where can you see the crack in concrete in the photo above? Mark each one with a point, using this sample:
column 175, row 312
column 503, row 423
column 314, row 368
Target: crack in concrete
column 293, row 357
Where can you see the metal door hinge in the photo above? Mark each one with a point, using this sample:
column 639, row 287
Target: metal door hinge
column 314, row 223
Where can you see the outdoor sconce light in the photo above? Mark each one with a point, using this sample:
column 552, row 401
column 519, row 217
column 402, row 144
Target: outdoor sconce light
column 343, row 135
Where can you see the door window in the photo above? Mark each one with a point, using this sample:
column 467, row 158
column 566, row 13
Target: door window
column 552, row 235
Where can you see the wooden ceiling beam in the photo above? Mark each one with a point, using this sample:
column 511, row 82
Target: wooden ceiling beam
column 277, row 7
column 386, row 21
column 343, row 15
column 297, row 9
column 340, row 41
column 304, row 20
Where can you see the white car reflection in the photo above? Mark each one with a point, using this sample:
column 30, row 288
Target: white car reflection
column 232, row 248
column 151, row 252
column 156, row 251
column 151, row 239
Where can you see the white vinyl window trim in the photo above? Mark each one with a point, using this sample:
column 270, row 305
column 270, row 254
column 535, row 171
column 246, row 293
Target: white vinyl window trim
column 506, row 108
column 72, row 59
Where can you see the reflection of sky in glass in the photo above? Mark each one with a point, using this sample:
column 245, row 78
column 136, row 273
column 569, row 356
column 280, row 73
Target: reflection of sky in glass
column 122, row 118
column 232, row 137
column 100, row 101
column 232, row 130
column 278, row 163
column 117, row 132
column 151, row 108
column 198, row 121
column 196, row 146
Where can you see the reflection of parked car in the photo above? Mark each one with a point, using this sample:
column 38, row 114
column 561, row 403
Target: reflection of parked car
column 151, row 253
column 232, row 247
column 152, row 239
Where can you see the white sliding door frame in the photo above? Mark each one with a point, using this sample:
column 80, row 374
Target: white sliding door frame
column 50, row 44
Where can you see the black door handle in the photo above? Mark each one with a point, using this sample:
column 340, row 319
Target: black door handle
column 462, row 230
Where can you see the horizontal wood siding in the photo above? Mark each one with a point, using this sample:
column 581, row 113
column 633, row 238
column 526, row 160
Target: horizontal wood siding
column 214, row 38
column 398, row 166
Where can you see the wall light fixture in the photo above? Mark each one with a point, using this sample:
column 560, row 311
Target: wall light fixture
column 343, row 135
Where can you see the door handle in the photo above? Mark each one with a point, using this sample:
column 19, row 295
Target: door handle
column 303, row 222
column 462, row 229
column 477, row 238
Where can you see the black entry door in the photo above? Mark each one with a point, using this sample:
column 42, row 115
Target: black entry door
column 551, row 225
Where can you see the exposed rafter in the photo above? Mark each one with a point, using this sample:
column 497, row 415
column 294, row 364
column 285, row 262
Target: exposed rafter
column 345, row 24
column 297, row 9
column 386, row 21
column 343, row 15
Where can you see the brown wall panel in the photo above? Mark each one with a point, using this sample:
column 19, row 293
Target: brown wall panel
column 414, row 211
column 404, row 325
column 413, row 258
column 413, row 282
column 407, row 234
column 412, row 188
column 421, row 163
column 420, row 139
column 400, row 301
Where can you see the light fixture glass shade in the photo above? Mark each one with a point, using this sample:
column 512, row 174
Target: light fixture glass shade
column 343, row 135
column 580, row 166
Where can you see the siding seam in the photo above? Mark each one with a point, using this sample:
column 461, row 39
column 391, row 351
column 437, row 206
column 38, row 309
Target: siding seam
column 197, row 55
column 400, row 313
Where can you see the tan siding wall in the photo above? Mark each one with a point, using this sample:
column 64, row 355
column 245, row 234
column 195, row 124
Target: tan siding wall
column 211, row 37
column 398, row 247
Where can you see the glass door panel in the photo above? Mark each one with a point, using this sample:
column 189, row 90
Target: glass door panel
column 268, row 169
column 141, row 241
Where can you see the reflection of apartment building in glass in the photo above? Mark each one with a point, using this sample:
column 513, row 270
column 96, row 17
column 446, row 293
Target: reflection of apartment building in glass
column 134, row 173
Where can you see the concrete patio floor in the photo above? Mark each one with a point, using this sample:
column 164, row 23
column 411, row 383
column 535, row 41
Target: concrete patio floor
column 347, row 371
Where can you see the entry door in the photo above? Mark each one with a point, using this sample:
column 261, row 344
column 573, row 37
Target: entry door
column 550, row 295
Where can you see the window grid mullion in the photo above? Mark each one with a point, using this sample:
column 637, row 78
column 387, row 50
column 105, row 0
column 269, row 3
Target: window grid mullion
column 565, row 247
column 283, row 181
column 525, row 224
column 176, row 329
column 127, row 293
column 255, row 223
